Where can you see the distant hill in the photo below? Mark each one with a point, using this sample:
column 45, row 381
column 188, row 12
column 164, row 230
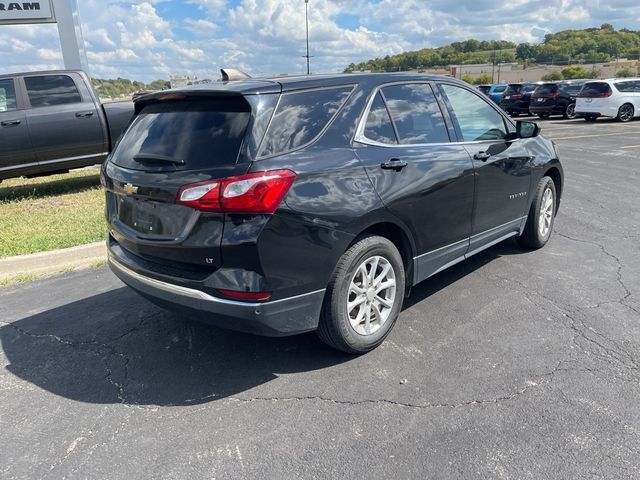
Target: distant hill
column 600, row 44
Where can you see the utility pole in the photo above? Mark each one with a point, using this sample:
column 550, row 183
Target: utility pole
column 306, row 16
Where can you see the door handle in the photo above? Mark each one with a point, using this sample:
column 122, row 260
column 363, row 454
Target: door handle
column 9, row 123
column 484, row 156
column 84, row 114
column 394, row 164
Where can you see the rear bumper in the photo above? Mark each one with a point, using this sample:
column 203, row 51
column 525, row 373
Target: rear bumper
column 582, row 111
column 545, row 109
column 287, row 316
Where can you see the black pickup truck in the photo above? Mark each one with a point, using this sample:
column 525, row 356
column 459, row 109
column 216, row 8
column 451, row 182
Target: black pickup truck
column 53, row 121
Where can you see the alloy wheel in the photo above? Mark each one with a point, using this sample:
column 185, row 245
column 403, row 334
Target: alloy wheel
column 571, row 111
column 625, row 113
column 372, row 295
column 545, row 217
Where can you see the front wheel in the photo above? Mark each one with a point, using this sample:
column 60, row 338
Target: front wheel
column 541, row 216
column 625, row 113
column 364, row 296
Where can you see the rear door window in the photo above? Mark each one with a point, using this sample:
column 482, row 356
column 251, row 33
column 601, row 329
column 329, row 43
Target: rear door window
column 300, row 117
column 7, row 96
column 195, row 133
column 49, row 90
column 477, row 119
column 416, row 114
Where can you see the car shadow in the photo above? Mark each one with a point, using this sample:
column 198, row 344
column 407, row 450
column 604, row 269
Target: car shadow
column 116, row 347
column 56, row 186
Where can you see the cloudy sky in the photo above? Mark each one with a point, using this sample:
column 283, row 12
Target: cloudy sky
column 151, row 39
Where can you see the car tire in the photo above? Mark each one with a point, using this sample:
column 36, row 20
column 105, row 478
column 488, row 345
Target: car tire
column 539, row 226
column 570, row 111
column 590, row 118
column 348, row 330
column 625, row 113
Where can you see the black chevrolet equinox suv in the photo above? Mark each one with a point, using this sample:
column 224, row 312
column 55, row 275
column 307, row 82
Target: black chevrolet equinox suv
column 288, row 205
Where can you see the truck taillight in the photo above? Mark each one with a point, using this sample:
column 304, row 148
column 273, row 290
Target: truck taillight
column 259, row 192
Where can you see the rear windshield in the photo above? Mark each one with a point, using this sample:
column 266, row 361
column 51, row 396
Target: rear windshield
column 594, row 88
column 514, row 88
column 500, row 89
column 484, row 88
column 573, row 89
column 195, row 133
column 546, row 89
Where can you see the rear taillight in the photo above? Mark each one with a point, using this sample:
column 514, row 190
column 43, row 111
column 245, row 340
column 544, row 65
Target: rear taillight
column 517, row 96
column 259, row 192
column 594, row 95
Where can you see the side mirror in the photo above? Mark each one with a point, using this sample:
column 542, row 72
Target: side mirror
column 526, row 129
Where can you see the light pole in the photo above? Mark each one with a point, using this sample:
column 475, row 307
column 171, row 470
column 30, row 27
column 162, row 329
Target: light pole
column 306, row 16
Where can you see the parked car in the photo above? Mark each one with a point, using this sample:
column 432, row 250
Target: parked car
column 484, row 88
column 53, row 121
column 556, row 98
column 517, row 98
column 287, row 205
column 496, row 92
column 617, row 98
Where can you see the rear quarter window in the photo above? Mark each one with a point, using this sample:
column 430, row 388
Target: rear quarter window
column 627, row 86
column 300, row 117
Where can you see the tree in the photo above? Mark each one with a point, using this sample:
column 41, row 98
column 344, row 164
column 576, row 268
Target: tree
column 625, row 73
column 468, row 78
column 482, row 79
column 552, row 77
column 575, row 72
column 525, row 51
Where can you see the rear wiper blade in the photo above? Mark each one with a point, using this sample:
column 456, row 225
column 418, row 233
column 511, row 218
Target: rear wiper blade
column 150, row 157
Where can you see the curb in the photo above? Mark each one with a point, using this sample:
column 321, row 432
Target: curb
column 53, row 261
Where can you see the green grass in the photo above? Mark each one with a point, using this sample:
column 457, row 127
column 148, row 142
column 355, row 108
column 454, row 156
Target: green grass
column 47, row 213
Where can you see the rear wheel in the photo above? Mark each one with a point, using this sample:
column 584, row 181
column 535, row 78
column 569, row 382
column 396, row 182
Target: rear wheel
column 625, row 113
column 539, row 224
column 570, row 111
column 364, row 296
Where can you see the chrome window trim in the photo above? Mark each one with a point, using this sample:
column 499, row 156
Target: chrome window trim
column 362, row 139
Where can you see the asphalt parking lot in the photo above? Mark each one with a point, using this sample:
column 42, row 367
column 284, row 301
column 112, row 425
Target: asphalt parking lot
column 514, row 365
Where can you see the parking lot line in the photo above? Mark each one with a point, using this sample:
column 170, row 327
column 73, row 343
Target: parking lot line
column 589, row 136
column 631, row 146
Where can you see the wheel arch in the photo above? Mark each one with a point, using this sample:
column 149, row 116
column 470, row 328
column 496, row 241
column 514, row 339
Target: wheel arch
column 400, row 238
column 554, row 173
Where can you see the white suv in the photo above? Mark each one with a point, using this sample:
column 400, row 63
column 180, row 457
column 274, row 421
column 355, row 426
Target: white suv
column 618, row 98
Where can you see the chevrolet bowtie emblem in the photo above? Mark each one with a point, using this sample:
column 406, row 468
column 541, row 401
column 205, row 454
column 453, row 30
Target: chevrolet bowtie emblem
column 130, row 189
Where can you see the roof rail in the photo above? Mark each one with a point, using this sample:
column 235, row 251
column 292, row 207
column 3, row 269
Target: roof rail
column 231, row 74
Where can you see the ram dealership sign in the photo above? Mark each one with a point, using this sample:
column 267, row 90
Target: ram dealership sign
column 26, row 12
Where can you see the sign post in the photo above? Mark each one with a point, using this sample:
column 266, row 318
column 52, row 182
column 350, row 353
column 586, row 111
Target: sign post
column 63, row 12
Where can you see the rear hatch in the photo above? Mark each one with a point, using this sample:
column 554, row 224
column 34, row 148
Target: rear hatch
column 512, row 94
column 545, row 95
column 593, row 96
column 175, row 140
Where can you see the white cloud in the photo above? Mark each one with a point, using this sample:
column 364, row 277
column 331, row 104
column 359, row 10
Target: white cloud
column 147, row 39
